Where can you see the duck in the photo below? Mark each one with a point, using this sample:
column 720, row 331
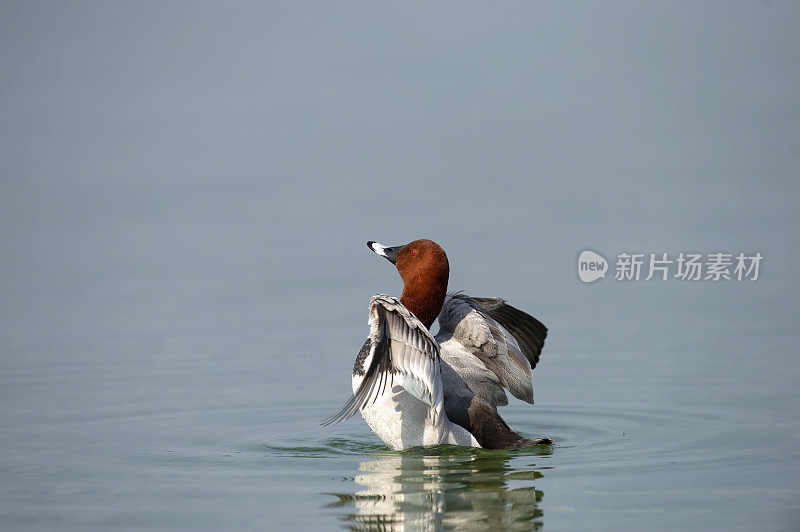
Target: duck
column 415, row 389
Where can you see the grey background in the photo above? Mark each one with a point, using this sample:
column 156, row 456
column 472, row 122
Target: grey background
column 186, row 188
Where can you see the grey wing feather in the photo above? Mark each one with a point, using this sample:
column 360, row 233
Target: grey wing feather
column 485, row 347
column 401, row 350
column 529, row 332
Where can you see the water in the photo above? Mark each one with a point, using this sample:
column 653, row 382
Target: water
column 135, row 421
column 185, row 193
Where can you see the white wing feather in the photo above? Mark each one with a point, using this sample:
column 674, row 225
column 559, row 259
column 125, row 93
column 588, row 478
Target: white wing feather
column 403, row 351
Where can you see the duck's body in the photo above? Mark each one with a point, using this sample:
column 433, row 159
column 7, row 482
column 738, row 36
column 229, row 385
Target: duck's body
column 402, row 421
column 413, row 389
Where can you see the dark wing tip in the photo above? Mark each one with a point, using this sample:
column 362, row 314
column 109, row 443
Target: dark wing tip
column 529, row 332
column 346, row 412
column 375, row 380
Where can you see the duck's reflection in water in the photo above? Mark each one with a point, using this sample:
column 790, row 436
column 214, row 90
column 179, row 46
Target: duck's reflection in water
column 412, row 491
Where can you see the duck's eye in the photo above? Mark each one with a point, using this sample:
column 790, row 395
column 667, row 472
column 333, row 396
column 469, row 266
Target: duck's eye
column 413, row 251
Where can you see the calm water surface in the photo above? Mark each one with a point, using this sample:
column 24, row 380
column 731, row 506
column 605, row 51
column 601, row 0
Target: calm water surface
column 185, row 194
column 183, row 424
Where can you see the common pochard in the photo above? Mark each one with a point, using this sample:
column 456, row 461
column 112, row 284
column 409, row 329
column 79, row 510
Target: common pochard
column 415, row 389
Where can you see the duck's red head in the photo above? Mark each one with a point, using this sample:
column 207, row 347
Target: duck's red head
column 423, row 266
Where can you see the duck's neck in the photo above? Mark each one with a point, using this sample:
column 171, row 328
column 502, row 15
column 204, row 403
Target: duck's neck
column 424, row 296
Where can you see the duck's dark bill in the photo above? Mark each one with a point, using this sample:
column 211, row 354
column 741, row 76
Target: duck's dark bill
column 390, row 253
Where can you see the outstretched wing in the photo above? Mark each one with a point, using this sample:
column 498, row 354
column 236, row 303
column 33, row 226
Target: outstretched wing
column 491, row 345
column 529, row 332
column 402, row 351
